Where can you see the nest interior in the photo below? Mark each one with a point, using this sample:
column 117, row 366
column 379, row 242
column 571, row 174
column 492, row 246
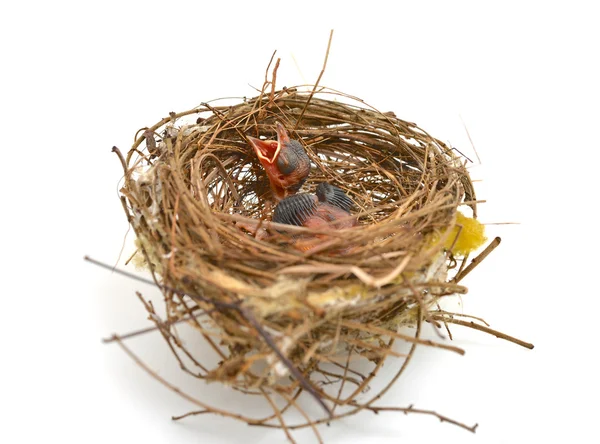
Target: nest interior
column 282, row 321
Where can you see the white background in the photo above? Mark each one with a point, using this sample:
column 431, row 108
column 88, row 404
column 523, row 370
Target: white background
column 78, row 78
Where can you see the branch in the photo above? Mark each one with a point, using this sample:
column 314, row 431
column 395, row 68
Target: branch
column 317, row 82
column 245, row 313
column 410, row 409
column 485, row 329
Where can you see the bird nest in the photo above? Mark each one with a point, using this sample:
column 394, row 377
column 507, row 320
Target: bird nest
column 283, row 320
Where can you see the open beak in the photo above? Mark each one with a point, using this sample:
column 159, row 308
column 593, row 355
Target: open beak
column 282, row 135
column 268, row 153
column 268, row 150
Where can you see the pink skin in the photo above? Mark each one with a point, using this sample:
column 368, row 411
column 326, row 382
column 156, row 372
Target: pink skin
column 326, row 216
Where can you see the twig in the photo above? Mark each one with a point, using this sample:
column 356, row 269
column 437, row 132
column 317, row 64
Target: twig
column 470, row 140
column 359, row 407
column 175, row 389
column 485, row 329
column 251, row 320
column 274, row 81
column 194, row 413
column 461, row 315
column 277, row 412
column 410, row 409
column 169, row 337
column 445, row 323
column 345, row 375
column 266, row 82
column 292, row 401
column 317, row 82
column 491, row 247
column 115, row 337
column 226, row 305
column 383, row 331
column 290, row 366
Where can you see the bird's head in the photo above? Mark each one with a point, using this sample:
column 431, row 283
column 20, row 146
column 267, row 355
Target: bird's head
column 285, row 161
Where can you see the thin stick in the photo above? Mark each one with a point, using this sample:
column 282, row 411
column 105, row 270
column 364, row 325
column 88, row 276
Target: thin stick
column 316, row 83
column 115, row 337
column 359, row 407
column 491, row 247
column 345, row 375
column 170, row 337
column 251, row 320
column 290, row 366
column 194, row 413
column 226, row 305
column 380, row 351
column 470, row 140
column 175, row 389
column 273, row 81
column 283, row 410
column 445, row 323
column 132, row 334
column 485, row 329
column 200, row 328
column 460, row 315
column 268, row 67
column 291, row 400
column 277, row 412
column 383, row 331
column 130, row 257
column 410, row 409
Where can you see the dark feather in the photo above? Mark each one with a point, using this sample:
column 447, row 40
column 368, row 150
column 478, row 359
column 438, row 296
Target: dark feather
column 334, row 196
column 294, row 210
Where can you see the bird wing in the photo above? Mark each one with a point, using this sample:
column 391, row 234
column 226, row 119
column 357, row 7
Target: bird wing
column 333, row 195
column 295, row 210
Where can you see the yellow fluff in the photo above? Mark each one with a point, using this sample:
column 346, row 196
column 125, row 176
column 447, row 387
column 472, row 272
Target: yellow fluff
column 471, row 235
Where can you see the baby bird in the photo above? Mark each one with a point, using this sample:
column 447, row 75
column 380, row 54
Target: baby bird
column 329, row 206
column 329, row 209
column 285, row 161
